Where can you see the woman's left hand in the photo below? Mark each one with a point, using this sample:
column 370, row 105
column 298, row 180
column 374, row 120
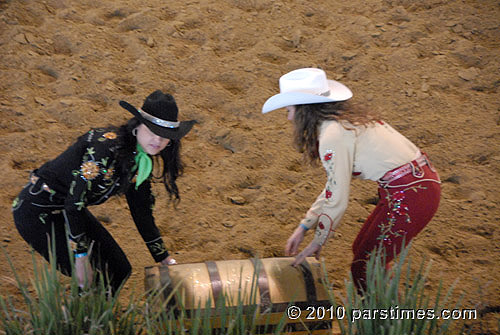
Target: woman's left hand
column 84, row 271
column 169, row 261
column 312, row 249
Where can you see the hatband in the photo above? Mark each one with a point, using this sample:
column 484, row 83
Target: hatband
column 158, row 121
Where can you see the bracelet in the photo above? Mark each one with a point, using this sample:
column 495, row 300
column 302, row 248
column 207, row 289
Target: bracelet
column 82, row 254
column 304, row 226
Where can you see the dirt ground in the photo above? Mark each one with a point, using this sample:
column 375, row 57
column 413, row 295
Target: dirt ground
column 430, row 67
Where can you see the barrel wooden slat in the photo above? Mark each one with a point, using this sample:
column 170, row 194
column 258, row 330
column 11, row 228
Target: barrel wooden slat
column 277, row 284
column 285, row 283
column 195, row 286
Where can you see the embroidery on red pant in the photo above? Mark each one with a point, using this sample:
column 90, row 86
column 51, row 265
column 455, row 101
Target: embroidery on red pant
column 398, row 209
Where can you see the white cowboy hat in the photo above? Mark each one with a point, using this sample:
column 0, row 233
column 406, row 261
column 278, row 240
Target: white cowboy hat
column 306, row 86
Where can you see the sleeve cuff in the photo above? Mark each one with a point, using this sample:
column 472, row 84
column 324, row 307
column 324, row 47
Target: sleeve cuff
column 309, row 222
column 157, row 249
column 81, row 246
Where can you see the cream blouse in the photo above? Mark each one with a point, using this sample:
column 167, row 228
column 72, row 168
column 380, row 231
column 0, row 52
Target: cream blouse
column 345, row 150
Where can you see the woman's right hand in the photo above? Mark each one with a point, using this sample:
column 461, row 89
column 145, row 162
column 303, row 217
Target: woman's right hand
column 292, row 245
column 84, row 271
column 169, row 261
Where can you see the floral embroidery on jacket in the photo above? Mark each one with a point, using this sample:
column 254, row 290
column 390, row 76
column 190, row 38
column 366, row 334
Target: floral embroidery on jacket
column 157, row 248
column 91, row 135
column 16, row 203
column 93, row 166
column 42, row 217
column 329, row 163
column 89, row 170
column 110, row 135
column 324, row 228
column 108, row 174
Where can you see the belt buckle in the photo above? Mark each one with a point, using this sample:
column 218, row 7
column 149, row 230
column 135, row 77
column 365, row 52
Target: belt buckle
column 416, row 170
column 44, row 187
column 389, row 177
column 34, row 179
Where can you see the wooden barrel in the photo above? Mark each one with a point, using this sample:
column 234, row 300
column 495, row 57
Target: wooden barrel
column 276, row 284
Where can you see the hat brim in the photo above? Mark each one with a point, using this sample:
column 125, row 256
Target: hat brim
column 171, row 133
column 338, row 92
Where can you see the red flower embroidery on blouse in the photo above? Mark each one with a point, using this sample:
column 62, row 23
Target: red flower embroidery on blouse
column 328, row 156
column 328, row 194
column 321, row 225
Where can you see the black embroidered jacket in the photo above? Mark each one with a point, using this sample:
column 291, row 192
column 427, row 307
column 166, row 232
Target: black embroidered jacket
column 86, row 174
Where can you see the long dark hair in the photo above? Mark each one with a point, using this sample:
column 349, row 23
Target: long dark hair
column 308, row 118
column 171, row 168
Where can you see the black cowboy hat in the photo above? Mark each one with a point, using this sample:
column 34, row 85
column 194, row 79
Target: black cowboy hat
column 159, row 113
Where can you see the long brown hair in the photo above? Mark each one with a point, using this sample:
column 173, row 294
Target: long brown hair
column 308, row 118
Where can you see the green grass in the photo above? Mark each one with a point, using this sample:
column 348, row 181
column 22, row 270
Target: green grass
column 57, row 306
column 395, row 301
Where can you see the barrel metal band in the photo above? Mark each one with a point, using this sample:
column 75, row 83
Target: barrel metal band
column 216, row 282
column 262, row 283
column 165, row 282
column 305, row 268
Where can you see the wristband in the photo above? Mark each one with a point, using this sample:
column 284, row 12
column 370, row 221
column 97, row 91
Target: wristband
column 82, row 254
column 304, row 226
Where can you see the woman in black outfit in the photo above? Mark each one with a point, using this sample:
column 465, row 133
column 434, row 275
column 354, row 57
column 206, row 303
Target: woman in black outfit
column 101, row 163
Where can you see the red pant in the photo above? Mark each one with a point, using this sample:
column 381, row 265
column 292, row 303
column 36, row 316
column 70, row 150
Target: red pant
column 405, row 207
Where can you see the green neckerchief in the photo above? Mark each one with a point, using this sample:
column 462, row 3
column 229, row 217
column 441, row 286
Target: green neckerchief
column 144, row 165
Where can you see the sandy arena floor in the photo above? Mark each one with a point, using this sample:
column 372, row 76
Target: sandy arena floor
column 430, row 67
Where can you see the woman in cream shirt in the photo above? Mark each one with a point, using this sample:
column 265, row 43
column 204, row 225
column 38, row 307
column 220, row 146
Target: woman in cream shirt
column 350, row 142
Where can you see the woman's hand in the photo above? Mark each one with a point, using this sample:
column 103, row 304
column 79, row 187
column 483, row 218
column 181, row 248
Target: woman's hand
column 169, row 261
column 84, row 271
column 312, row 249
column 292, row 245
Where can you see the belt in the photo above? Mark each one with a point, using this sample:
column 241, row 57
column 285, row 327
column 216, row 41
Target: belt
column 414, row 167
